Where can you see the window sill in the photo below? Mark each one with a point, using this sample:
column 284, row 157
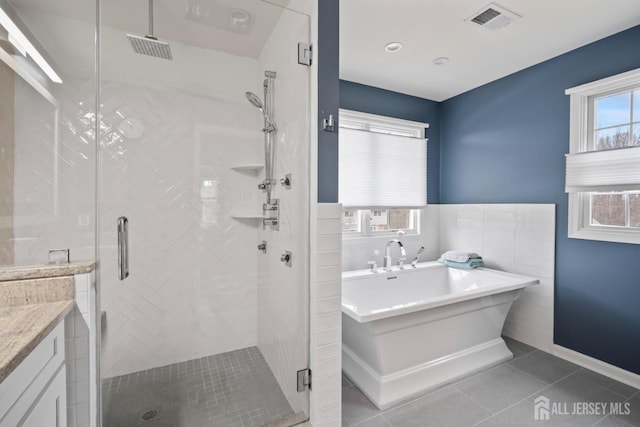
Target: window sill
column 391, row 234
column 606, row 234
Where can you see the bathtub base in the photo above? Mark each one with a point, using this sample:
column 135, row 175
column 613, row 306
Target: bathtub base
column 388, row 390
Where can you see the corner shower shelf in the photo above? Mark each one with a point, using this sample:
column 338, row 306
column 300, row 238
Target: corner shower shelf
column 247, row 216
column 249, row 167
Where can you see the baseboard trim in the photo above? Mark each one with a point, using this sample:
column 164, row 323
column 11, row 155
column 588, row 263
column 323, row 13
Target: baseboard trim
column 603, row 368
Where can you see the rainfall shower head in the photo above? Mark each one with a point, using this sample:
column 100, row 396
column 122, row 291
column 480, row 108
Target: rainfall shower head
column 149, row 44
column 255, row 101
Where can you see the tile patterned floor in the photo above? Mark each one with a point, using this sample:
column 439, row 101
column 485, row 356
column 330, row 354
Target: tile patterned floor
column 502, row 397
column 230, row 389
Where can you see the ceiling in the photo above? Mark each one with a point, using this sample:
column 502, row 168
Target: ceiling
column 430, row 29
column 171, row 22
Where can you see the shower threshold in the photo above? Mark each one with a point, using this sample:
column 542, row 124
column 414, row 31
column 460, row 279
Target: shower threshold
column 236, row 388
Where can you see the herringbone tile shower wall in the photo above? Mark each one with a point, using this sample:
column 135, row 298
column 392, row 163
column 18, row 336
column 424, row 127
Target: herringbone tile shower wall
column 54, row 172
column 192, row 288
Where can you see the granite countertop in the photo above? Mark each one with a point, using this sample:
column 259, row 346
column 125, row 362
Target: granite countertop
column 21, row 272
column 29, row 310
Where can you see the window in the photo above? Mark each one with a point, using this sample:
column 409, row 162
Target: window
column 351, row 222
column 616, row 120
column 603, row 167
column 379, row 222
column 382, row 173
column 620, row 209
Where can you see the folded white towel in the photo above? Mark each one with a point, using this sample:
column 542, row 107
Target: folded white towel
column 460, row 256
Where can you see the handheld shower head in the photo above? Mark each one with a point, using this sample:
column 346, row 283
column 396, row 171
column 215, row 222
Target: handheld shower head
column 255, row 101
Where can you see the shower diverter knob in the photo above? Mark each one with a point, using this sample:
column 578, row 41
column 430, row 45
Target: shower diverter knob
column 286, row 258
column 286, row 181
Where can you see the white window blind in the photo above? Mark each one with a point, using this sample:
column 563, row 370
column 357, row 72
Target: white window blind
column 379, row 170
column 605, row 170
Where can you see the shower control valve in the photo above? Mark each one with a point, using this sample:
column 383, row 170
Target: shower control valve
column 264, row 184
column 286, row 258
column 263, row 246
column 286, row 181
column 271, row 212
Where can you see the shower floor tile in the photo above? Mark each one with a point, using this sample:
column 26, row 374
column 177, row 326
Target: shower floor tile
column 229, row 389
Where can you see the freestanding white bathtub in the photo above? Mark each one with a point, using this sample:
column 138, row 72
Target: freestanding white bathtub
column 407, row 331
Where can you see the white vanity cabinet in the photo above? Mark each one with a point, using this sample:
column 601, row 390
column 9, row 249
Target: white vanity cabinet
column 34, row 394
column 51, row 409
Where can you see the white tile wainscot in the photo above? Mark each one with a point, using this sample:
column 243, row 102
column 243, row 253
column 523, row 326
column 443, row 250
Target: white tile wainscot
column 80, row 357
column 517, row 238
column 326, row 320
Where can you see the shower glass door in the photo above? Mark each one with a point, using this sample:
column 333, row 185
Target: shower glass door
column 206, row 329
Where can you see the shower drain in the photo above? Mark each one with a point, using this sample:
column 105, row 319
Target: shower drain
column 149, row 415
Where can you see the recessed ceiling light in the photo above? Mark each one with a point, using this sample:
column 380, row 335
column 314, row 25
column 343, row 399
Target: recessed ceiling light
column 440, row 61
column 393, row 47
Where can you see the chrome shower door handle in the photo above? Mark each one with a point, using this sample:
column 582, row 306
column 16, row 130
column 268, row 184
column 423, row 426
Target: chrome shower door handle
column 123, row 248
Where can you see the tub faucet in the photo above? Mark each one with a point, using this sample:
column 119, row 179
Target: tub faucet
column 387, row 253
column 414, row 262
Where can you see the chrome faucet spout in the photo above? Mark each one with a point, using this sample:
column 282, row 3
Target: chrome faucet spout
column 387, row 252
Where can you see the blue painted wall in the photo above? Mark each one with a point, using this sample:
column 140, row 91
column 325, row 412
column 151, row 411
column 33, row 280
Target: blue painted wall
column 368, row 99
column 505, row 142
column 328, row 53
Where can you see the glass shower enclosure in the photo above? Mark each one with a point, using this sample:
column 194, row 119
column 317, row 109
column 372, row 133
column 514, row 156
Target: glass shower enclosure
column 211, row 323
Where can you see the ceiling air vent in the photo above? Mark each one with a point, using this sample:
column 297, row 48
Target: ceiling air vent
column 492, row 17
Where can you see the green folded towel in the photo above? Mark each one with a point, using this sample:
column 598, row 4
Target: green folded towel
column 468, row 265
